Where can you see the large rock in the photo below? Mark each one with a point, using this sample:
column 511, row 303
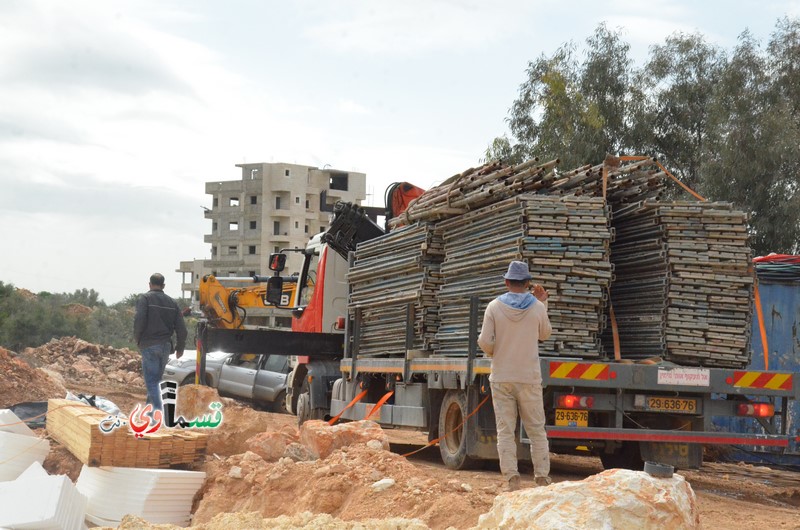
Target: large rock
column 322, row 439
column 194, row 400
column 617, row 498
column 271, row 445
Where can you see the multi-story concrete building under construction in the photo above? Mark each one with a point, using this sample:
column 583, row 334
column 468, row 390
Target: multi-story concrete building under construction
column 273, row 206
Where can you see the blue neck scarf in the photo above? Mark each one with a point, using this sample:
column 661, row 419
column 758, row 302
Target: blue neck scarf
column 518, row 300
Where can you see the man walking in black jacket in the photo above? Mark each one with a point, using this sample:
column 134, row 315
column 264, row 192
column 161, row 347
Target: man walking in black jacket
column 157, row 318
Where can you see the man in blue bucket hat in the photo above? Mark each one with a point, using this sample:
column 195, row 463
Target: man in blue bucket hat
column 513, row 325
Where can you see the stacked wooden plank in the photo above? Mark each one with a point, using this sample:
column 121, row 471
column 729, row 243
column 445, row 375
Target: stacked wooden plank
column 388, row 274
column 76, row 426
column 683, row 287
column 565, row 241
column 624, row 182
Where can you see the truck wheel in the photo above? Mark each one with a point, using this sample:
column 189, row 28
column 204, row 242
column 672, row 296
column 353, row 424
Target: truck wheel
column 304, row 410
column 453, row 445
column 626, row 457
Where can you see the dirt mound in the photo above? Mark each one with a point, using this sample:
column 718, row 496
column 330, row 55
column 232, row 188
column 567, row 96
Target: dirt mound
column 355, row 483
column 61, row 462
column 80, row 362
column 239, row 423
column 20, row 381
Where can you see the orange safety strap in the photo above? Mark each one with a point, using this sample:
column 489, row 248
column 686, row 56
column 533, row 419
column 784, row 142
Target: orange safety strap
column 434, row 442
column 379, row 404
column 761, row 327
column 670, row 175
column 614, row 332
column 353, row 402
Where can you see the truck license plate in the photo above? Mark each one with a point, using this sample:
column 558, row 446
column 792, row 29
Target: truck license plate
column 572, row 418
column 669, row 404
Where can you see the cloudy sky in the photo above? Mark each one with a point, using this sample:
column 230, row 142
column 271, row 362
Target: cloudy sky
column 113, row 114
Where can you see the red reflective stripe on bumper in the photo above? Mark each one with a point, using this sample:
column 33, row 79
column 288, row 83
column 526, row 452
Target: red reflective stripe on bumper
column 637, row 436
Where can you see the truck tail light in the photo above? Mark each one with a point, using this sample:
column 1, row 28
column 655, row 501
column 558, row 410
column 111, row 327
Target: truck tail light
column 756, row 410
column 339, row 323
column 571, row 401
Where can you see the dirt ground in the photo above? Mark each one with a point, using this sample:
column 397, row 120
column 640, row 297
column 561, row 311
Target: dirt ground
column 729, row 495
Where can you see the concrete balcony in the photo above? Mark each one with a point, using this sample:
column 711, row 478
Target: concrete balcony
column 283, row 236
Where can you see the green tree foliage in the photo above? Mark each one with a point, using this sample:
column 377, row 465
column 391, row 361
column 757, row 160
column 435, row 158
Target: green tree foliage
column 32, row 320
column 726, row 123
column 680, row 81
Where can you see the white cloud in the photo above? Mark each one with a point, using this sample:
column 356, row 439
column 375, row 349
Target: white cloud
column 414, row 26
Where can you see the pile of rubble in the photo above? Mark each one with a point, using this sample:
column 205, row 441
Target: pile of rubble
column 78, row 361
column 20, row 381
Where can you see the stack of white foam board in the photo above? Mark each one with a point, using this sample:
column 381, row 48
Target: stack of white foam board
column 41, row 501
column 157, row 495
column 19, row 446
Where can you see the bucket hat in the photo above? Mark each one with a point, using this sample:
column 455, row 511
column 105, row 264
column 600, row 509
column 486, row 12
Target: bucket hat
column 517, row 270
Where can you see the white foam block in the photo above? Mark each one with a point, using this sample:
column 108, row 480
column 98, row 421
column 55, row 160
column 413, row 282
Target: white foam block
column 18, row 451
column 157, row 495
column 36, row 500
column 10, row 422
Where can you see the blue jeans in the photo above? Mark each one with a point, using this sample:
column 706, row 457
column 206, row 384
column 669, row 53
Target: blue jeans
column 154, row 360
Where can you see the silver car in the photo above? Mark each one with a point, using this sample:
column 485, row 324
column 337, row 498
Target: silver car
column 182, row 370
column 260, row 379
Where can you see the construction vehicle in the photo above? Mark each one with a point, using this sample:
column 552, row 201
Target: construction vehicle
column 224, row 301
column 625, row 413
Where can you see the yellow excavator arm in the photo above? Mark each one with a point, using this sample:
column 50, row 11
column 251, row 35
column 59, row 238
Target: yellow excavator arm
column 226, row 307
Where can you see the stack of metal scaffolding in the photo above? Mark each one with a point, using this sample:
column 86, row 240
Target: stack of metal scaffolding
column 624, row 182
column 388, row 274
column 684, row 284
column 565, row 241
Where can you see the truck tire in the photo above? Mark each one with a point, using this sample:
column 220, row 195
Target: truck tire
column 453, row 445
column 304, row 410
column 626, row 457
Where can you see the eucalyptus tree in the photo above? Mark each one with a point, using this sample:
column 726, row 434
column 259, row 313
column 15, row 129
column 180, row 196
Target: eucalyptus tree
column 680, row 80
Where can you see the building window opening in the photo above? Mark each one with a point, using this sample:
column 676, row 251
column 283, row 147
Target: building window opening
column 276, row 228
column 297, row 200
column 253, row 199
column 277, row 203
column 215, row 202
column 297, row 224
column 232, row 250
column 233, row 226
column 251, row 249
column 286, row 173
column 275, row 250
column 214, row 226
column 308, row 204
column 233, row 201
column 306, row 229
column 251, row 273
column 252, row 225
column 213, row 250
column 338, row 181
